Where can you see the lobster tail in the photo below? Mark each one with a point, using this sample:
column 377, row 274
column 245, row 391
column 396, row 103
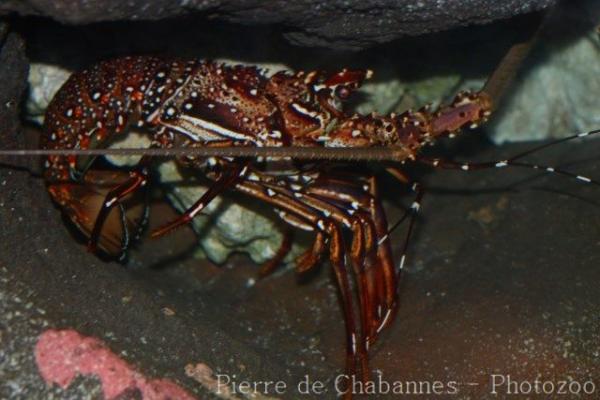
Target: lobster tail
column 82, row 202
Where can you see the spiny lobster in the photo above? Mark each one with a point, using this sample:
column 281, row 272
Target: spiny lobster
column 203, row 104
column 193, row 104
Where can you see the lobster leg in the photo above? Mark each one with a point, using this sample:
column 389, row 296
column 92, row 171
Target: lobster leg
column 228, row 177
column 336, row 256
column 374, row 271
column 312, row 256
column 291, row 205
column 384, row 254
column 286, row 244
column 137, row 179
column 412, row 211
column 362, row 231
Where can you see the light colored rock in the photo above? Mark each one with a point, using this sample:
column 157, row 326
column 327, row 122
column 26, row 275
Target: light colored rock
column 554, row 98
column 44, row 82
column 228, row 226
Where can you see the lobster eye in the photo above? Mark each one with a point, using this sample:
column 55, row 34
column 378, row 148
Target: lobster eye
column 342, row 92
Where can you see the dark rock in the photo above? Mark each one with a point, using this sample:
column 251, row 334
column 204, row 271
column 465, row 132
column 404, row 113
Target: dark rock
column 334, row 24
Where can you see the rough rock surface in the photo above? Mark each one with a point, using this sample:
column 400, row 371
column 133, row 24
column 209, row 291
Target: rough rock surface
column 335, row 24
column 501, row 278
column 482, row 294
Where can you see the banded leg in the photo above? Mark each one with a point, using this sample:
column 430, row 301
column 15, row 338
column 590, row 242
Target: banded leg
column 385, row 256
column 291, row 205
column 137, row 179
column 375, row 270
column 336, row 256
column 412, row 212
column 361, row 228
column 231, row 174
column 335, row 204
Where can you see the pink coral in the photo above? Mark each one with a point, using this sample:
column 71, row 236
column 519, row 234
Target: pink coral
column 61, row 355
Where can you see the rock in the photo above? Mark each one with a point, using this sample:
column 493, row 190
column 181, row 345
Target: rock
column 555, row 95
column 340, row 24
column 44, row 81
column 228, row 224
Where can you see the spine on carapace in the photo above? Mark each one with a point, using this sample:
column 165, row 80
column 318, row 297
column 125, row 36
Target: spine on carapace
column 92, row 106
